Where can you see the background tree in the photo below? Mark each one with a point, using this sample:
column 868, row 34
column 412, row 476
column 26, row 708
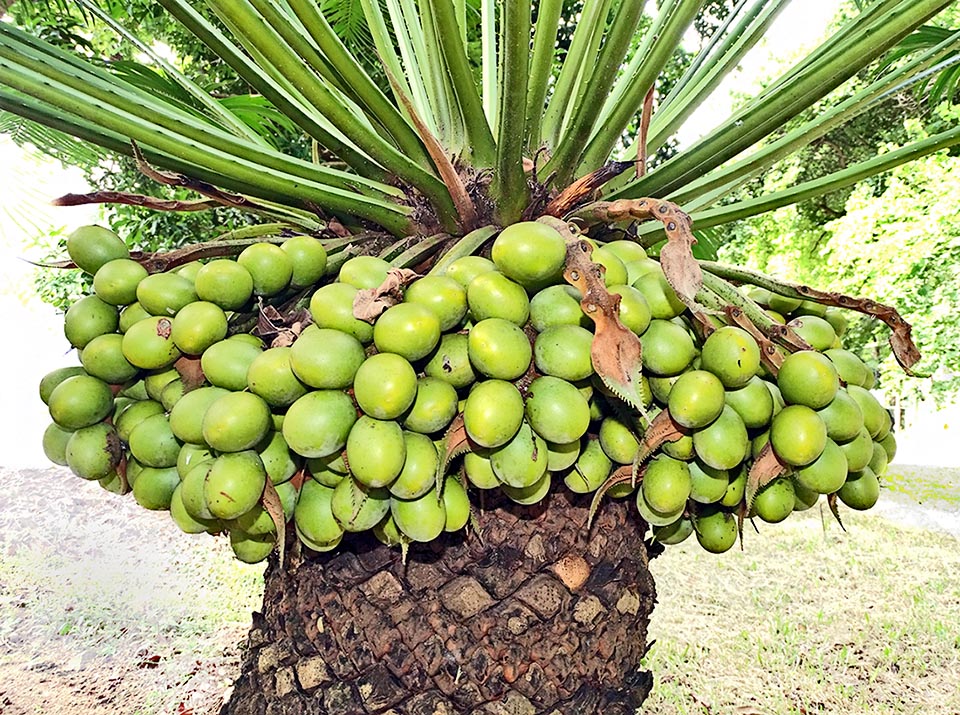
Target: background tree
column 543, row 613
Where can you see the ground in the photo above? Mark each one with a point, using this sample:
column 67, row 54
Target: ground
column 106, row 608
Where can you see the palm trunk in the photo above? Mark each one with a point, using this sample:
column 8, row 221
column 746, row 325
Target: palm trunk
column 531, row 616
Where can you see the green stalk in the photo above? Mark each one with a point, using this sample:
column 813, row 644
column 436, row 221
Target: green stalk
column 447, row 109
column 280, row 97
column 762, row 116
column 110, row 90
column 483, row 148
column 271, row 44
column 466, row 246
column 628, row 94
column 541, row 68
column 510, row 182
column 420, row 249
column 594, row 14
column 818, row 187
column 227, row 119
column 488, row 60
column 388, row 55
column 678, row 106
column 743, row 170
column 346, row 65
column 592, row 94
column 209, row 164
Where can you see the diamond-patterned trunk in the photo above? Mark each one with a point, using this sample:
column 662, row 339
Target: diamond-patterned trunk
column 532, row 616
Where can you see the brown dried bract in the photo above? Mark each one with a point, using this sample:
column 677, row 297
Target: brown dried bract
column 663, row 429
column 279, row 329
column 272, row 505
column 582, row 189
column 190, row 371
column 370, row 303
column 615, row 351
column 681, row 269
column 766, row 467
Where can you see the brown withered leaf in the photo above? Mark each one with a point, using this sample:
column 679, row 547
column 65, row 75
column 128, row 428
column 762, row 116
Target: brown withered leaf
column 615, row 351
column 455, row 442
column 765, row 468
column 663, row 429
column 835, row 509
column 622, row 475
column 582, row 189
column 278, row 329
column 190, row 371
column 272, row 505
column 369, row 304
column 128, row 199
column 681, row 269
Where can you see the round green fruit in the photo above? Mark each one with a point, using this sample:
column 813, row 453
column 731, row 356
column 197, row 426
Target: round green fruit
column 798, row 435
column 270, row 376
column 270, row 267
column 309, row 259
column 450, row 362
column 358, row 507
column 385, row 386
column 591, row 469
column 364, row 272
column 666, row 484
column 557, row 305
column 660, row 297
column 716, row 530
column 724, row 443
column 493, row 413
column 88, row 318
column 149, row 344
column 421, row 519
column 493, row 295
column 55, row 440
column 318, row 424
column 434, row 407
column 418, row 475
column 225, row 364
column 186, row 417
column 732, row 355
column 407, row 329
column 80, row 401
column 198, row 326
column 93, row 452
column 375, row 451
column 236, row 422
column 530, row 253
column 153, row 443
column 153, row 488
column 443, row 296
column 775, row 502
column 314, row 514
column 464, row 269
column 564, row 351
column 808, row 378
column 667, row 348
column 861, row 491
column 556, row 409
column 522, row 461
column 533, row 494
column 164, row 294
column 116, row 281
column 816, row 331
column 456, row 504
column 103, row 358
column 91, row 247
column 696, row 399
column 50, row 381
column 499, row 349
column 827, row 473
column 234, row 484
column 225, row 283
column 325, row 358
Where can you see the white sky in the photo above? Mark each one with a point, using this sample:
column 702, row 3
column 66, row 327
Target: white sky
column 802, row 25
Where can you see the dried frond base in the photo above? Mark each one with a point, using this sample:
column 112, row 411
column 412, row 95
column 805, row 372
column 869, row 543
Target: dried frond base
column 531, row 617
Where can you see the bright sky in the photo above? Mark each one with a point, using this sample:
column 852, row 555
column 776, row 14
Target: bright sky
column 802, row 25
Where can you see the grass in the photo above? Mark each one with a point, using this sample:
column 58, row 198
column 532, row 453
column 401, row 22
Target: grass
column 931, row 486
column 809, row 620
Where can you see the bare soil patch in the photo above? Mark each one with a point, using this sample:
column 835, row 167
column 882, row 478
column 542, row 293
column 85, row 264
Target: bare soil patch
column 107, row 608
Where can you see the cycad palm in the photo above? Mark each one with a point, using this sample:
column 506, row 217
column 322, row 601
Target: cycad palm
column 438, row 161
